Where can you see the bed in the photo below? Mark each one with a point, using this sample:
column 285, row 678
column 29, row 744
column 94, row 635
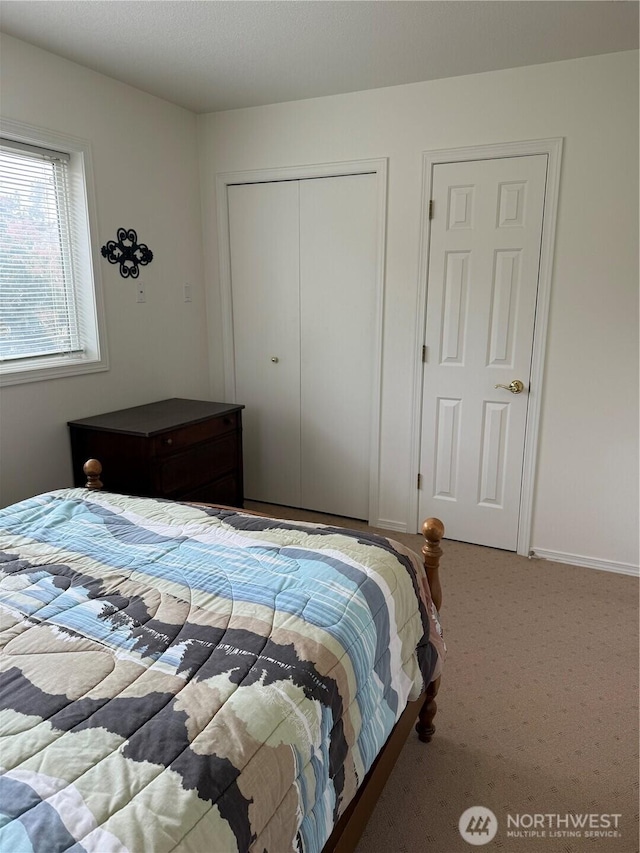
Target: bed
column 189, row 677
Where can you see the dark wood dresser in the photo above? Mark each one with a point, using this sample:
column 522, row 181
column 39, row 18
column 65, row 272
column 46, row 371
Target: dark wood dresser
column 179, row 449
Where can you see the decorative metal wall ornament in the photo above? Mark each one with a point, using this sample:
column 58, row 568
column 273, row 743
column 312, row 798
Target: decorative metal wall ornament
column 127, row 252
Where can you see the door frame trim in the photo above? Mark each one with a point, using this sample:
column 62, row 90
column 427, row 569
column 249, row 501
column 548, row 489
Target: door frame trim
column 379, row 167
column 553, row 149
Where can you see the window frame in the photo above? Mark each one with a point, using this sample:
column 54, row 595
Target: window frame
column 86, row 257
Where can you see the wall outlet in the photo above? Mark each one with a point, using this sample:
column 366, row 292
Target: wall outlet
column 140, row 291
column 187, row 293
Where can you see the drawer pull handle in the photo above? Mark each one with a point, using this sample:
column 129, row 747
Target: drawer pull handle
column 168, row 441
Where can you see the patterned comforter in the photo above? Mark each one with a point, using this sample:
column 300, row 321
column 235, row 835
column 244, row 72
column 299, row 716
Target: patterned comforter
column 181, row 678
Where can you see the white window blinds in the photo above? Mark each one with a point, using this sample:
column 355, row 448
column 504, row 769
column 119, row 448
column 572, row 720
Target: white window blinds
column 38, row 307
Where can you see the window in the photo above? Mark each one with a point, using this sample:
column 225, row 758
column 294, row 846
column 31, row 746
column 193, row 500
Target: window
column 50, row 305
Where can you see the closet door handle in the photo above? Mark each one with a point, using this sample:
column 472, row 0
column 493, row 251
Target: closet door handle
column 275, row 359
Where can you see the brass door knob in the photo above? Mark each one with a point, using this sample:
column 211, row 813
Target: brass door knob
column 516, row 387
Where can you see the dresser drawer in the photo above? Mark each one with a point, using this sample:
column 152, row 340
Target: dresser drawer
column 199, row 465
column 226, row 491
column 178, row 439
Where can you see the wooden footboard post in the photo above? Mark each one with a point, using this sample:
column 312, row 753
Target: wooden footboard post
column 92, row 469
column 424, row 726
column 433, row 531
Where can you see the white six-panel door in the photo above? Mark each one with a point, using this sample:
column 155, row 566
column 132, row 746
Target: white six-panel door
column 303, row 285
column 482, row 284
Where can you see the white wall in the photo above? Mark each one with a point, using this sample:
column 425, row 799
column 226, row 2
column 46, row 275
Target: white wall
column 145, row 163
column 586, row 500
column 145, row 166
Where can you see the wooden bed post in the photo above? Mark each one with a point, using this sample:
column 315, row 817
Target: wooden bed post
column 433, row 531
column 92, row 468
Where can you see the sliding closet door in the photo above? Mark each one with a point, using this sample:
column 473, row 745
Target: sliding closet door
column 338, row 260
column 264, row 243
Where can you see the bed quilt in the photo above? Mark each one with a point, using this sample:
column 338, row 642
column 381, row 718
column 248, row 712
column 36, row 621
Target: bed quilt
column 183, row 678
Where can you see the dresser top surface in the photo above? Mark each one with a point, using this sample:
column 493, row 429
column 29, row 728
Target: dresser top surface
column 154, row 418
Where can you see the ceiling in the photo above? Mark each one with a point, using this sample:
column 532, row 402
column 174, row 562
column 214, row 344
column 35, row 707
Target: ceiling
column 209, row 55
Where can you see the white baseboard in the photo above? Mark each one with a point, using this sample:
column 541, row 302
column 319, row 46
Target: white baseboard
column 588, row 562
column 386, row 524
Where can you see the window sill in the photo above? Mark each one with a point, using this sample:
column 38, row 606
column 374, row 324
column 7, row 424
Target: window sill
column 53, row 369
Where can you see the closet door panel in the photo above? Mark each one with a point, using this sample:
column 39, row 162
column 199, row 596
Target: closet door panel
column 338, row 274
column 263, row 226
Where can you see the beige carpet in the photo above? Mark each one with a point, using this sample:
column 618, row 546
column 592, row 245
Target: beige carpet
column 537, row 713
